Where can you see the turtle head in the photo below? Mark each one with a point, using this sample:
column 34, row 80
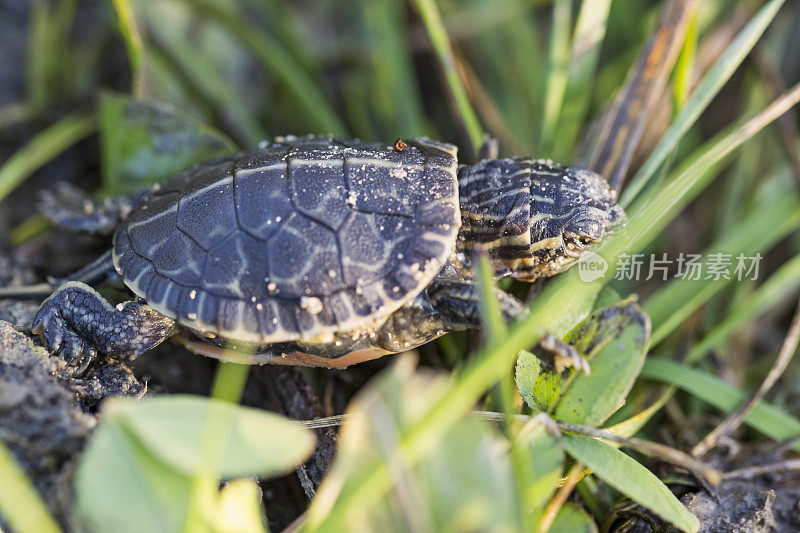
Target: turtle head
column 533, row 218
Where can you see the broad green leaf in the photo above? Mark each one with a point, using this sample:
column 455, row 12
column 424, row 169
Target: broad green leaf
column 765, row 418
column 463, row 482
column 248, row 441
column 615, row 341
column 572, row 519
column 121, row 487
column 20, row 504
column 630, row 478
column 144, row 143
column 149, row 460
column 607, row 297
column 538, row 386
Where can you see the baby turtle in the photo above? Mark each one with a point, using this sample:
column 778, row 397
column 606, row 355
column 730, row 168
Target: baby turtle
column 321, row 252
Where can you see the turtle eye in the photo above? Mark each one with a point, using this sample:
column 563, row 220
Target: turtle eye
column 585, row 230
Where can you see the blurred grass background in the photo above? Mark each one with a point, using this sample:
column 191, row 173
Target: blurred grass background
column 541, row 76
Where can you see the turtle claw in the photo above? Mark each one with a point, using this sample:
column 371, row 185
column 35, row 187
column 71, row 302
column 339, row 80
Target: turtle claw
column 77, row 353
column 564, row 355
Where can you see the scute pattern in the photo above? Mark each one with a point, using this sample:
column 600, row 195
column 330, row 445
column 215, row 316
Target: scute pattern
column 238, row 247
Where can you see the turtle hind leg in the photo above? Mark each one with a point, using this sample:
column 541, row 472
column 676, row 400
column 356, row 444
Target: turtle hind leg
column 443, row 307
column 455, row 305
column 70, row 208
column 77, row 323
column 458, row 303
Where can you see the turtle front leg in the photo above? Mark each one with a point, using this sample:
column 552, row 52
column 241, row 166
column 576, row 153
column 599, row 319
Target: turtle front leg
column 77, row 323
column 70, row 208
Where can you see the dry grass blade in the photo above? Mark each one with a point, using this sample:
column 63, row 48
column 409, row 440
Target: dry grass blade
column 760, row 470
column 575, row 474
column 485, row 106
column 663, row 452
column 732, row 422
column 625, row 122
column 444, row 51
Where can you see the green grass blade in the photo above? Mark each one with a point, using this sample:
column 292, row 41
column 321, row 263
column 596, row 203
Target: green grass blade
column 441, row 45
column 557, row 72
column 708, row 88
column 38, row 61
column 590, row 30
column 229, row 382
column 494, row 329
column 208, row 79
column 684, row 67
column 395, row 93
column 20, row 504
column 274, row 56
column 279, row 18
column 649, row 217
column 491, row 317
column 773, row 219
column 785, row 281
column 766, row 418
column 42, row 149
column 526, row 66
column 133, row 42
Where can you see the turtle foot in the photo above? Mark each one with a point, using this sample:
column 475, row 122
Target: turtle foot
column 63, row 341
column 76, row 323
column 564, row 355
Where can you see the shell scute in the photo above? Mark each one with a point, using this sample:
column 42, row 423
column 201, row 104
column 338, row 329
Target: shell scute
column 207, row 214
column 261, row 190
column 236, row 267
column 181, row 259
column 318, row 190
column 303, row 259
column 367, row 243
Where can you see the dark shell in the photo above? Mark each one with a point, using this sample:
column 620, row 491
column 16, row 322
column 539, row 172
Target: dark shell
column 301, row 239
